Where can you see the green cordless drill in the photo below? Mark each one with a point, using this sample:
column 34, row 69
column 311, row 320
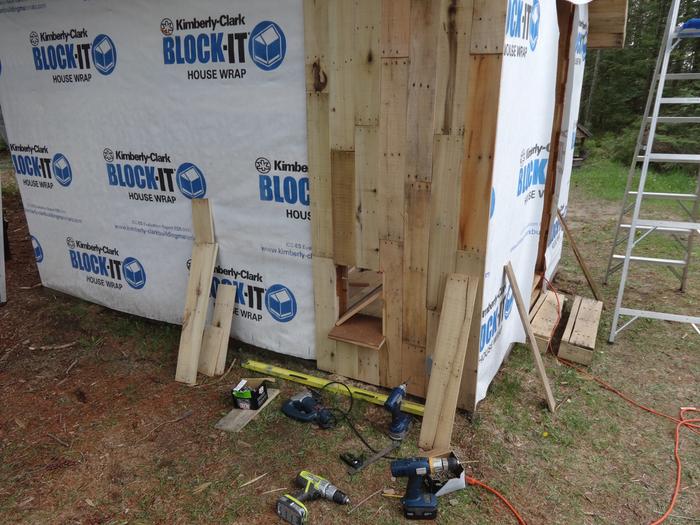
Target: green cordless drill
column 292, row 509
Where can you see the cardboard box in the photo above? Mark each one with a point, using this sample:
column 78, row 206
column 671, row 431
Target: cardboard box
column 250, row 393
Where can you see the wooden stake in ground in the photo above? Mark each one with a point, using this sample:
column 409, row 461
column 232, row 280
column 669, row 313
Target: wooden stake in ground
column 525, row 319
column 448, row 361
column 579, row 258
column 197, row 302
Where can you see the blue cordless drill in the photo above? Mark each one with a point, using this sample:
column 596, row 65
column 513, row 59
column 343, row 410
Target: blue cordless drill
column 419, row 503
column 400, row 422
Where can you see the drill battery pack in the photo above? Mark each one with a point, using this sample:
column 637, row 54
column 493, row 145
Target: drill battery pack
column 291, row 510
column 423, row 508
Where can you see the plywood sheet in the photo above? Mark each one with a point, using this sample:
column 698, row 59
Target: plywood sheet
column 361, row 330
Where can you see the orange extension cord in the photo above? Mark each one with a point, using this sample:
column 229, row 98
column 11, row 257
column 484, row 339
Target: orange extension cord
column 500, row 496
column 680, row 421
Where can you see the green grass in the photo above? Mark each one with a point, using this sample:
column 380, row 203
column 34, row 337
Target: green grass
column 598, row 460
column 605, row 179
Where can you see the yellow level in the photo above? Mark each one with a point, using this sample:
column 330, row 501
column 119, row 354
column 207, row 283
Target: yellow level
column 316, row 382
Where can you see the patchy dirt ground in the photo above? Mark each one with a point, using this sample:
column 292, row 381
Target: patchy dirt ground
column 98, row 431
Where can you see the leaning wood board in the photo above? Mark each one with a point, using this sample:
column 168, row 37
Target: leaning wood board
column 212, row 359
column 522, row 311
column 204, row 254
column 448, row 361
column 578, row 341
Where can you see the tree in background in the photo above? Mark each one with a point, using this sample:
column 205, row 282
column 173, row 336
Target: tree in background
column 617, row 81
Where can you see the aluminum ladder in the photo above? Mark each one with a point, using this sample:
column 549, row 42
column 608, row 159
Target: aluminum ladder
column 644, row 153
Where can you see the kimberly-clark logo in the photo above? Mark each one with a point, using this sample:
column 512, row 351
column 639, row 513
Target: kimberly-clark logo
column 38, row 251
column 220, row 47
column 267, row 45
column 152, row 176
column 285, row 183
column 72, row 55
column 523, row 19
column 280, row 303
column 36, row 167
column 103, row 267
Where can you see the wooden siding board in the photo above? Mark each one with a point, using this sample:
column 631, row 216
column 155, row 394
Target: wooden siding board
column 488, row 27
column 344, row 217
column 453, row 43
column 320, row 182
column 316, row 45
column 392, row 130
column 326, row 311
column 413, row 368
column 444, row 214
column 367, row 61
column 367, row 203
column 395, row 28
column 341, row 73
column 421, row 89
column 415, row 271
column 391, row 261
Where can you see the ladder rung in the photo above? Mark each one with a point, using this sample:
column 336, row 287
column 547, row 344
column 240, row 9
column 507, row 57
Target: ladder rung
column 677, row 225
column 652, row 260
column 676, row 120
column 683, row 76
column 658, row 229
column 680, row 100
column 671, row 157
column 672, row 196
column 660, row 316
